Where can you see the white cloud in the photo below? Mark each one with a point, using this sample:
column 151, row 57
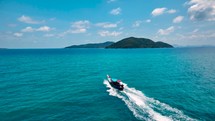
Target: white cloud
column 108, row 33
column 178, row 19
column 116, row 11
column 137, row 23
column 28, row 20
column 18, row 34
column 28, row 29
column 79, row 26
column 107, row 25
column 202, row 10
column 171, row 11
column 44, row 29
column 77, row 31
column 41, row 29
column 158, row 11
column 166, row 31
column 148, row 21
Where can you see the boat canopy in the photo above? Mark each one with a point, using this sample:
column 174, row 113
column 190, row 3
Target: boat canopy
column 114, row 80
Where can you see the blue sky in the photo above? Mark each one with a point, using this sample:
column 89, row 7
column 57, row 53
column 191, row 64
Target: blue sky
column 60, row 23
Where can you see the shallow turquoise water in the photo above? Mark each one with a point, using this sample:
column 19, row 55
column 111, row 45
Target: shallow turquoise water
column 69, row 84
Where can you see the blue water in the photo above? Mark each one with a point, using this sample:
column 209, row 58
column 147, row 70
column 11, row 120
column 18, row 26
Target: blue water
column 69, row 84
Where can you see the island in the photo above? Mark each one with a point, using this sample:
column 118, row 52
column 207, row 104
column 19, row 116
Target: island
column 92, row 45
column 132, row 42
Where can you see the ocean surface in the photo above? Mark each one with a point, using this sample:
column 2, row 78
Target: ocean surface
column 70, row 84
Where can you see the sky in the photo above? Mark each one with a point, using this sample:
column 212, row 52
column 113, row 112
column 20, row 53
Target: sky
column 61, row 23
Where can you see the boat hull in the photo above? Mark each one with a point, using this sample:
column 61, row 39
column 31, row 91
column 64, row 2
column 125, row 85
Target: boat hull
column 119, row 87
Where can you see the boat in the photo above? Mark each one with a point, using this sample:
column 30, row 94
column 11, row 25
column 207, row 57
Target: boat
column 115, row 83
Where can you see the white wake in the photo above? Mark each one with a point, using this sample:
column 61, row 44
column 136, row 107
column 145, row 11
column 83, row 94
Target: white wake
column 145, row 108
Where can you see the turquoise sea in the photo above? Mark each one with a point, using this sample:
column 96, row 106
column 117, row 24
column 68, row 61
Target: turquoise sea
column 70, row 84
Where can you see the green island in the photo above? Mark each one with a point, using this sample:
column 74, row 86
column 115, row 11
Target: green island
column 130, row 42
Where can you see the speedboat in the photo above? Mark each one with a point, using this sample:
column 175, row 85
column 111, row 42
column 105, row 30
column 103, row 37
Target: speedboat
column 115, row 83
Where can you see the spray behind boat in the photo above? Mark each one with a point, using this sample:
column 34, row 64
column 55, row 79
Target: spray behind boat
column 115, row 83
column 146, row 108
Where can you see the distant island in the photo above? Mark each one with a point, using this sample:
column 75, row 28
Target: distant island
column 92, row 45
column 130, row 42
column 133, row 42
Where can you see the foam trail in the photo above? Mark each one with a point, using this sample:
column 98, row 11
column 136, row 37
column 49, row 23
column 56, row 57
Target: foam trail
column 145, row 108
